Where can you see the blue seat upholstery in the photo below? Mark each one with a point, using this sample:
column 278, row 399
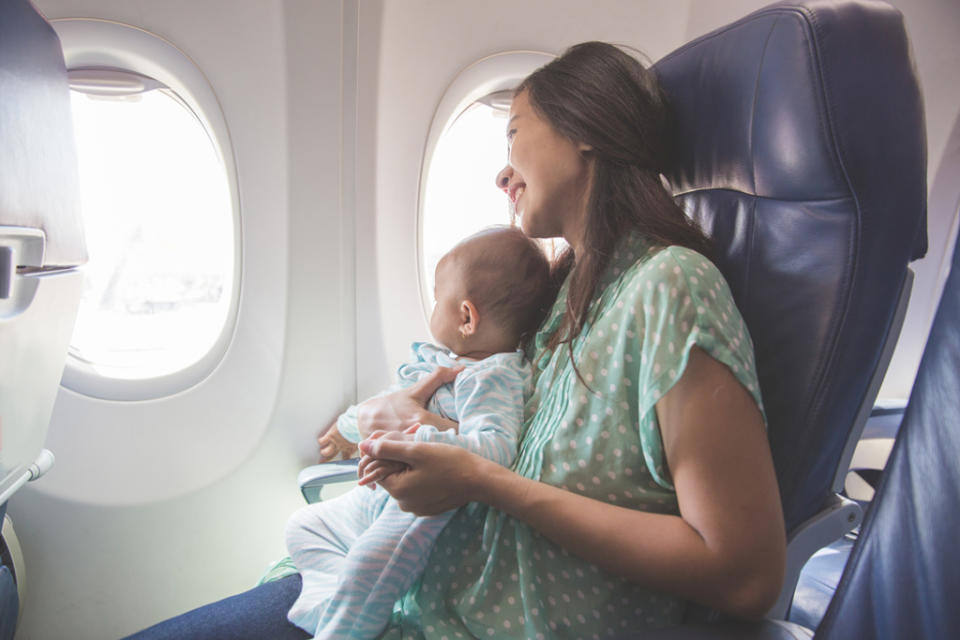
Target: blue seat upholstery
column 901, row 580
column 802, row 152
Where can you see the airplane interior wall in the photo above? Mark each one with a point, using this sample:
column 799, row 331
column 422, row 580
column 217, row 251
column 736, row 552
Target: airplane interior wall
column 158, row 506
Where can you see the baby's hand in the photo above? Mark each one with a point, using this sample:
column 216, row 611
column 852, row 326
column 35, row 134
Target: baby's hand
column 333, row 444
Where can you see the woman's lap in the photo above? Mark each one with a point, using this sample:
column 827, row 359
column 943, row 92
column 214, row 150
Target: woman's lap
column 258, row 613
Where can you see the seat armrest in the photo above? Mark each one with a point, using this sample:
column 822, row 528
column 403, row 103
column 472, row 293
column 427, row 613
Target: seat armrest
column 839, row 516
column 312, row 479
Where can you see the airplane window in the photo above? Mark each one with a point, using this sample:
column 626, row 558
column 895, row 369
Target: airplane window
column 466, row 147
column 461, row 197
column 157, row 212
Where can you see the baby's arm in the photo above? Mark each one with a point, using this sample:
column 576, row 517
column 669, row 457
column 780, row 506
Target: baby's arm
column 489, row 403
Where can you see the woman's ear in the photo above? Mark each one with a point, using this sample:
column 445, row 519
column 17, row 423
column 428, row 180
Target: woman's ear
column 583, row 147
column 469, row 319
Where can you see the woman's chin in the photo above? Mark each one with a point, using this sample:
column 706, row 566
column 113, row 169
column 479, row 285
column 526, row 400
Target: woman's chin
column 534, row 230
column 528, row 225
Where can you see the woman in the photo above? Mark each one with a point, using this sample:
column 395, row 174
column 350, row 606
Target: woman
column 644, row 479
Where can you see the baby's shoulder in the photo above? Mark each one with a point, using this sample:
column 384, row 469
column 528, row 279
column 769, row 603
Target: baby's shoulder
column 507, row 364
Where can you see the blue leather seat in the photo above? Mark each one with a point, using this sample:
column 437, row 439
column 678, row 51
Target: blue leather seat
column 902, row 580
column 803, row 153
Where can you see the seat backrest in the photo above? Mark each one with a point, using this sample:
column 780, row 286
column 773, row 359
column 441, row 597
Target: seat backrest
column 38, row 183
column 902, row 578
column 802, row 153
column 41, row 237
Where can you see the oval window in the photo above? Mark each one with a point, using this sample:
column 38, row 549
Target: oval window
column 461, row 197
column 158, row 216
column 466, row 147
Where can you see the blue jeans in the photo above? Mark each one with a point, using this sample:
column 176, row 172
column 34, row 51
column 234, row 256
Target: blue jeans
column 257, row 614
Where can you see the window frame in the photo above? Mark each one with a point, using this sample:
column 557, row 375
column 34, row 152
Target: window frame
column 92, row 43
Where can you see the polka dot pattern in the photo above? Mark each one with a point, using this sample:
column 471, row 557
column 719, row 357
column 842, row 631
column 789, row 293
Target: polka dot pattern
column 600, row 440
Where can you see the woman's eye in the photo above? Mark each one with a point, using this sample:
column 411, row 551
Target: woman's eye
column 510, row 135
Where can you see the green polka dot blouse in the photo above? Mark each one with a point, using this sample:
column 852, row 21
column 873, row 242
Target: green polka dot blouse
column 492, row 576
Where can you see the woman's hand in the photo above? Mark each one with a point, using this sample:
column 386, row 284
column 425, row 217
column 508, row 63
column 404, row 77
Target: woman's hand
column 401, row 409
column 435, row 478
column 372, row 470
column 333, row 444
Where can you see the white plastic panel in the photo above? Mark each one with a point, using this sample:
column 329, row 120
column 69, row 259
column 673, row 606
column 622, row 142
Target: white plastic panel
column 159, row 438
column 96, row 43
column 36, row 319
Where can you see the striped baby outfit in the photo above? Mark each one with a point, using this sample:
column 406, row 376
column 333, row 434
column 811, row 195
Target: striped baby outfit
column 359, row 553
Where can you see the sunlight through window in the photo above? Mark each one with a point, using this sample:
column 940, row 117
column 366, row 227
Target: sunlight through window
column 461, row 195
column 159, row 223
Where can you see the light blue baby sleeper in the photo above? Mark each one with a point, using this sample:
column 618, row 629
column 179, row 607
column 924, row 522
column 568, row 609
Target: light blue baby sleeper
column 359, row 553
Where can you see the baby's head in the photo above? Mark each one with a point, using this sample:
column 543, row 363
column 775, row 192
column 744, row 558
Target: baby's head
column 492, row 292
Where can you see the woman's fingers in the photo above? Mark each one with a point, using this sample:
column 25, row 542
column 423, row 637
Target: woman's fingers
column 371, row 461
column 378, row 470
column 365, row 461
column 423, row 390
column 435, row 477
column 389, row 448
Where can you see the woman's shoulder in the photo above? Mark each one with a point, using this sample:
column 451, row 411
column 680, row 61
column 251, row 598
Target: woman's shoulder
column 675, row 268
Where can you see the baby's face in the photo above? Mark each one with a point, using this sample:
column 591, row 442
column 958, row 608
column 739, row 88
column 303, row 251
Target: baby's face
column 445, row 320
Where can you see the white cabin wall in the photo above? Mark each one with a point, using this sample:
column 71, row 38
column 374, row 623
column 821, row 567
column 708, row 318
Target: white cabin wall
column 933, row 26
column 104, row 568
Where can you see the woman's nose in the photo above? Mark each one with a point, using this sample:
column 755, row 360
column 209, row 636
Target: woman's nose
column 503, row 178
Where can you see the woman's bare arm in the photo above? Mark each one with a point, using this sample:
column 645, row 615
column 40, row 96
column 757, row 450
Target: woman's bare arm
column 726, row 549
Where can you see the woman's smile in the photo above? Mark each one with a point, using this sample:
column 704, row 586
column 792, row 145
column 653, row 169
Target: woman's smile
column 515, row 191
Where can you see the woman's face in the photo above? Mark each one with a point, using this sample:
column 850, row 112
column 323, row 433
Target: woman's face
column 547, row 177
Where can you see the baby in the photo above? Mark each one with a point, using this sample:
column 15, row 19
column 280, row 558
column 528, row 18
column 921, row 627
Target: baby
column 359, row 553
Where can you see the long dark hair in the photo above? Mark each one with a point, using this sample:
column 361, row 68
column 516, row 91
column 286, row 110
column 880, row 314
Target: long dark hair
column 598, row 95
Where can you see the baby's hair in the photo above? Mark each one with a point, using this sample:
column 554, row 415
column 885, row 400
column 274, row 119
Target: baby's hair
column 507, row 276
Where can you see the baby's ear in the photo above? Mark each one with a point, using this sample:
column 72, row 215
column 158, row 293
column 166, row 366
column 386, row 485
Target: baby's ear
column 469, row 319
